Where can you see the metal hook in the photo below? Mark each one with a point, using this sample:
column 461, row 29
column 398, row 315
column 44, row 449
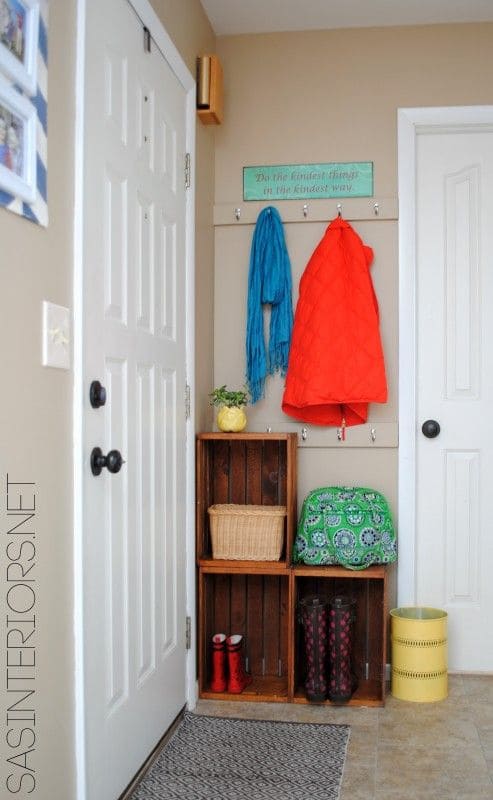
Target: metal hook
column 305, row 210
column 238, row 213
column 376, row 209
column 339, row 209
column 304, row 434
column 373, row 434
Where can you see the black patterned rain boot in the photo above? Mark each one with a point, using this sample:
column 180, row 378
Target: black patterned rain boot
column 341, row 680
column 313, row 617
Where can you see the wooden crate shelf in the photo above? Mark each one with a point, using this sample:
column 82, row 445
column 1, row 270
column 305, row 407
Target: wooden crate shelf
column 367, row 589
column 253, row 469
column 258, row 599
column 255, row 605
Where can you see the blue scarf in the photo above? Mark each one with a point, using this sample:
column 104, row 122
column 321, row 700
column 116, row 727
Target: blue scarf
column 269, row 281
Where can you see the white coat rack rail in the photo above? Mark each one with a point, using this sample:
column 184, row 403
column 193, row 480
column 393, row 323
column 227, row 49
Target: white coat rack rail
column 351, row 208
column 373, row 434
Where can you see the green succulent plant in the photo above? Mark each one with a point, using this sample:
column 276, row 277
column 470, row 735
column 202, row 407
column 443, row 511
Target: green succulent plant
column 225, row 397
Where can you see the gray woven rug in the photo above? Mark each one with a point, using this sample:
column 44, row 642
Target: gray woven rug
column 212, row 758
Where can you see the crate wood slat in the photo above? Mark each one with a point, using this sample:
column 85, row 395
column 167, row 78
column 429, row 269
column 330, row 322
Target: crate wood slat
column 213, row 436
column 203, row 498
column 237, row 475
column 291, row 495
column 204, row 625
column 375, row 632
column 254, row 472
column 238, row 600
column 270, row 474
column 271, row 626
column 255, row 623
column 222, row 605
column 376, row 571
column 224, row 566
column 360, row 628
column 284, row 628
column 220, row 476
column 379, row 615
column 267, row 689
column 292, row 629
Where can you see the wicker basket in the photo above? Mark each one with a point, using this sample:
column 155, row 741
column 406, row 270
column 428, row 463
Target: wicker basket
column 247, row 533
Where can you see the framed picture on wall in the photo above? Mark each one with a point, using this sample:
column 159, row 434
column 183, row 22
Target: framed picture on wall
column 19, row 23
column 17, row 144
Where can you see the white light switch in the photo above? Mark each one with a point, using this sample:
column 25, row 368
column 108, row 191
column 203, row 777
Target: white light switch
column 56, row 336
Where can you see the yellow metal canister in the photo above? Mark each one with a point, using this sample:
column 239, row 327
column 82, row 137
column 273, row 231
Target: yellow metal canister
column 419, row 654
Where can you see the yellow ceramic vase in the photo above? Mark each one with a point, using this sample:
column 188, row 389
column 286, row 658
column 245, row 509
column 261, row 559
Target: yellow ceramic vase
column 231, row 419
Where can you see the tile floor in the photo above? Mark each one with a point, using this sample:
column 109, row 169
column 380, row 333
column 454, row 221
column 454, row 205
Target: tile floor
column 404, row 751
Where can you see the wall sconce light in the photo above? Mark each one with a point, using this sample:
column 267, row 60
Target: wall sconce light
column 209, row 90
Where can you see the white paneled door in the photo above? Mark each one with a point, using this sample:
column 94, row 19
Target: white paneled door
column 134, row 326
column 454, row 467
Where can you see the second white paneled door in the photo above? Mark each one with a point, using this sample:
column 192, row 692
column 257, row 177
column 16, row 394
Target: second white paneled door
column 454, row 469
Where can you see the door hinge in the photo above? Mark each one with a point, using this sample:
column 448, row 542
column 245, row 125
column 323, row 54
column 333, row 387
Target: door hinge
column 188, row 633
column 147, row 40
column 188, row 178
column 187, row 401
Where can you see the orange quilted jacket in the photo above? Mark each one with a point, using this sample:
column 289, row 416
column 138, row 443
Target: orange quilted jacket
column 336, row 364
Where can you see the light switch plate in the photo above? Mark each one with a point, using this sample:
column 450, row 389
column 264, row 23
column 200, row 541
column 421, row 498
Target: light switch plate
column 56, row 336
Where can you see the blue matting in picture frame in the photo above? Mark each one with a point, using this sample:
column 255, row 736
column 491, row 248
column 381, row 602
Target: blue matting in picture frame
column 24, row 108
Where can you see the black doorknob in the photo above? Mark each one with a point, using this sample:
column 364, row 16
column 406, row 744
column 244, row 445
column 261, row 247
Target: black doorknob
column 430, row 428
column 113, row 461
column 97, row 394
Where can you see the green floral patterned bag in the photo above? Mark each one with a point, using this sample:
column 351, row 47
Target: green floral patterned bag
column 348, row 526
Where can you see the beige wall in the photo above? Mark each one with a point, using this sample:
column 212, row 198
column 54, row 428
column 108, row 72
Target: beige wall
column 333, row 95
column 330, row 96
column 36, row 435
column 36, row 403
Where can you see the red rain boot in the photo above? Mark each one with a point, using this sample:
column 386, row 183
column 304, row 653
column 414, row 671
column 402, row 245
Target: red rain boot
column 238, row 678
column 218, row 681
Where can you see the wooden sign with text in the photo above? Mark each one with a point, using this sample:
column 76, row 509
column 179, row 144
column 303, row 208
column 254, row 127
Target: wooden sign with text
column 308, row 181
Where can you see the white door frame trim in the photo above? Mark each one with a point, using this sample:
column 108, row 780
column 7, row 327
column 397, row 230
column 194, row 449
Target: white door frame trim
column 412, row 121
column 161, row 38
